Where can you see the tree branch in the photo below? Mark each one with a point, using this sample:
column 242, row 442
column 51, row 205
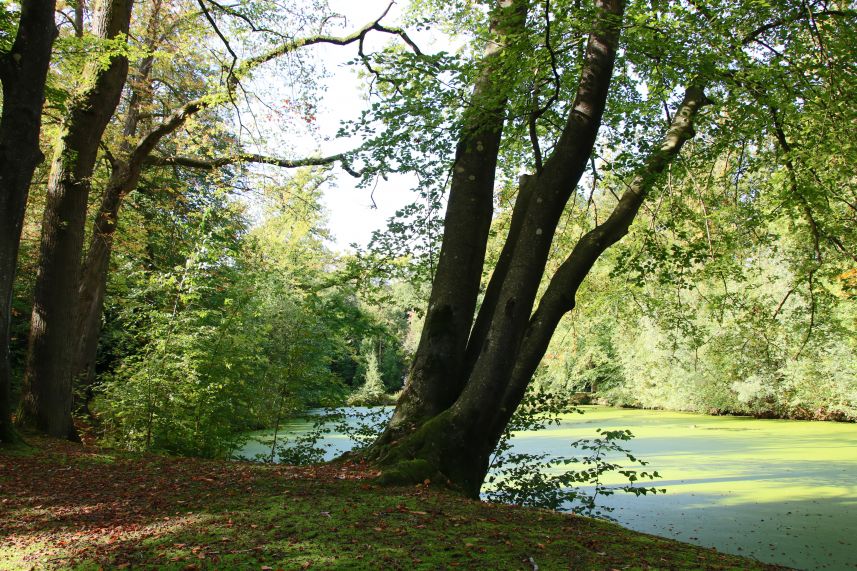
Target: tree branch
column 356, row 36
column 559, row 298
column 177, row 118
column 219, row 35
column 538, row 111
column 212, row 164
column 236, row 14
column 795, row 188
column 752, row 36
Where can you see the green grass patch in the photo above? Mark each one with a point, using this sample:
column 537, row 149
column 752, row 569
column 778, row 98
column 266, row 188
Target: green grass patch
column 81, row 508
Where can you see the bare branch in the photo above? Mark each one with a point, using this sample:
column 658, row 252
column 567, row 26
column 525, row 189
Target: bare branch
column 538, row 111
column 781, row 304
column 220, row 35
column 236, row 14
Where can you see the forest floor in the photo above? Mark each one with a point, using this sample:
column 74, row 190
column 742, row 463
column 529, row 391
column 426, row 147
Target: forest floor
column 69, row 506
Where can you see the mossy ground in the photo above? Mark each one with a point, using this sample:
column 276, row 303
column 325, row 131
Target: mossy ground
column 66, row 506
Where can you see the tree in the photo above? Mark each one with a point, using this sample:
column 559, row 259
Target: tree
column 23, row 72
column 372, row 391
column 123, row 176
column 46, row 400
column 471, row 372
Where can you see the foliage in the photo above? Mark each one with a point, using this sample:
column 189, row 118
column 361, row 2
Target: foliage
column 360, row 425
column 536, row 480
column 216, row 327
column 372, row 391
column 732, row 284
column 740, row 323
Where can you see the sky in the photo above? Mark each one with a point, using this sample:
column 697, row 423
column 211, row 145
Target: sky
column 354, row 213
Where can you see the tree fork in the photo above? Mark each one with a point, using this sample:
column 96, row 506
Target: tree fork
column 552, row 189
column 455, row 446
column 435, row 379
column 492, row 292
column 466, row 438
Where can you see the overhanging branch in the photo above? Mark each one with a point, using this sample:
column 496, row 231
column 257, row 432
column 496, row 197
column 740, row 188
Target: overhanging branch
column 177, row 118
column 215, row 163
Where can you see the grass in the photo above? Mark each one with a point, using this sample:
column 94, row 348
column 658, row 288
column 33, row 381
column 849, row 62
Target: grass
column 67, row 506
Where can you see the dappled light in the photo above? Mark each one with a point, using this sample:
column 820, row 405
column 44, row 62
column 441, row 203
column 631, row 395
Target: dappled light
column 97, row 508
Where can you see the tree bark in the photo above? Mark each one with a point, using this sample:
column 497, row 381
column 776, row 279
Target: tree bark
column 47, row 398
column 435, row 380
column 23, row 72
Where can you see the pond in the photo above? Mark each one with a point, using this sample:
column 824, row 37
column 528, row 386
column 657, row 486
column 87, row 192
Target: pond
column 779, row 491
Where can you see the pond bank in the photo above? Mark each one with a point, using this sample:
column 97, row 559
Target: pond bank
column 821, row 414
column 66, row 506
column 779, row 490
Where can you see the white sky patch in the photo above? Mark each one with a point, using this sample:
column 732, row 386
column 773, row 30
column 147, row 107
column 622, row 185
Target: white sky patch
column 355, row 213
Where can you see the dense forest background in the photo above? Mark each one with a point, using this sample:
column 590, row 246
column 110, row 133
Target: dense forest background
column 226, row 306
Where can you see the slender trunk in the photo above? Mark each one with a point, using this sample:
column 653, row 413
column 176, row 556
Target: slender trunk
column 276, row 427
column 23, row 71
column 93, row 284
column 79, row 12
column 46, row 402
column 435, row 380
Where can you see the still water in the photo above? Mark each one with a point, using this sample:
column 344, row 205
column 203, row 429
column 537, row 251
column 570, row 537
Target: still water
column 779, row 491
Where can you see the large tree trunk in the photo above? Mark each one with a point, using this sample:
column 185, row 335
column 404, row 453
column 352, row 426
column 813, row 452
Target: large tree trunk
column 457, row 443
column 509, row 339
column 435, row 380
column 123, row 179
column 23, row 71
column 47, row 398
